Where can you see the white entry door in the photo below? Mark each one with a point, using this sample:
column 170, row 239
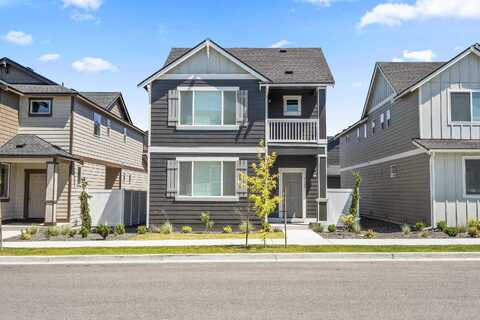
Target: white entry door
column 37, row 185
column 292, row 192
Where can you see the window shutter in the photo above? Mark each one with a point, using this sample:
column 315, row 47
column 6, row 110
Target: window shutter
column 172, row 173
column 172, row 108
column 242, row 107
column 242, row 167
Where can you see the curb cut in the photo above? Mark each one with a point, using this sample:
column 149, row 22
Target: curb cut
column 250, row 257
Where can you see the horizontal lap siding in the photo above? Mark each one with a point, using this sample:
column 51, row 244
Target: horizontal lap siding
column 163, row 135
column 62, row 191
column 179, row 213
column 9, row 115
column 138, row 180
column 405, row 198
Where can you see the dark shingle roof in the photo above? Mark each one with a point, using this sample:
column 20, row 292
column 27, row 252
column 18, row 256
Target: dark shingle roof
column 405, row 74
column 103, row 99
column 41, row 88
column 29, row 145
column 308, row 64
column 432, row 144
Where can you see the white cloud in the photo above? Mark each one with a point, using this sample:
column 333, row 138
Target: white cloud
column 79, row 17
column 422, row 55
column 281, row 43
column 49, row 57
column 18, row 37
column 92, row 64
column 83, row 4
column 397, row 60
column 357, row 84
column 322, row 3
column 394, row 14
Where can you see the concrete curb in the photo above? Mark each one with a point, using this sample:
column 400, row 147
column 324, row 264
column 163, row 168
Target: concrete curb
column 252, row 257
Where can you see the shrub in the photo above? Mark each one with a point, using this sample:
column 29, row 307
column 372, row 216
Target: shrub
column 141, row 229
column 462, row 229
column 370, row 234
column 474, row 223
column 186, row 229
column 425, row 234
column 405, row 229
column 84, row 232
column 318, row 227
column 207, row 221
column 25, row 235
column 154, row 228
column 276, row 229
column 72, row 233
column 227, row 229
column 65, row 230
column 266, row 227
column 51, row 232
column 356, row 228
column 103, row 230
column 332, row 228
column 419, row 226
column 451, row 231
column 32, row 230
column 244, row 225
column 119, row 229
column 348, row 221
column 473, row 232
column 166, row 228
column 441, row 225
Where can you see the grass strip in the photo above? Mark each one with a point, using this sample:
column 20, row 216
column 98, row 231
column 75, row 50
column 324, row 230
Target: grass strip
column 232, row 249
column 204, row 236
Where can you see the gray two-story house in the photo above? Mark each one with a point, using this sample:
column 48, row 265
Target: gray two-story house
column 51, row 137
column 209, row 109
column 417, row 144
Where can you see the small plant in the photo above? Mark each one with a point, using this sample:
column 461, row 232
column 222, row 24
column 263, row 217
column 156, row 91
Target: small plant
column 227, row 229
column 32, row 230
column 276, row 229
column 370, row 234
column 332, row 228
column 72, row 233
column 474, row 223
column 451, row 231
column 141, row 229
column 473, row 232
column 317, row 227
column 84, row 232
column 166, row 228
column 405, row 228
column 348, row 221
column 425, row 234
column 441, row 225
column 187, row 229
column 356, row 228
column 246, row 225
column 207, row 221
column 119, row 229
column 462, row 229
column 267, row 227
column 154, row 228
column 103, row 230
column 420, row 225
column 65, row 230
column 51, row 232
column 25, row 235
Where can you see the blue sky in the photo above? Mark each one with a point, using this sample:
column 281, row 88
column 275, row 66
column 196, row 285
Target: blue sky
column 110, row 45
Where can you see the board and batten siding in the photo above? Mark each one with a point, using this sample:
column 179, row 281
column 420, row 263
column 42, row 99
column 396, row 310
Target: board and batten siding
column 402, row 199
column 435, row 101
column 381, row 90
column 450, row 202
column 9, row 114
column 164, row 135
column 54, row 129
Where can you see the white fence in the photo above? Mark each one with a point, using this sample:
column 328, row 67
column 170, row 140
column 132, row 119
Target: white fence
column 293, row 130
column 112, row 207
column 339, row 201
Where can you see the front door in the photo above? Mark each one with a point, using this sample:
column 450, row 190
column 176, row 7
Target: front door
column 292, row 194
column 36, row 185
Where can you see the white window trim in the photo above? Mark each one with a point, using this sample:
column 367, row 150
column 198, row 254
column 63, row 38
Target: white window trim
column 99, row 123
column 382, row 121
column 9, row 174
column 49, row 113
column 358, row 133
column 393, row 173
column 125, row 135
column 373, row 127
column 78, row 178
column 388, row 122
column 179, row 197
column 365, row 130
column 194, row 126
column 285, row 110
column 449, row 98
column 464, row 177
column 303, row 171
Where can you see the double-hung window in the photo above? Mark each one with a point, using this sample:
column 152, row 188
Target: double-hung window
column 207, row 178
column 97, row 124
column 40, row 108
column 465, row 106
column 4, row 180
column 365, row 130
column 207, row 107
column 292, row 105
column 373, row 127
column 382, row 121
column 125, row 135
column 388, row 118
column 472, row 176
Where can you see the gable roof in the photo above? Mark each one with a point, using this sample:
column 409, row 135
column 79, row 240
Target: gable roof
column 107, row 101
column 6, row 61
column 277, row 65
column 41, row 88
column 30, row 145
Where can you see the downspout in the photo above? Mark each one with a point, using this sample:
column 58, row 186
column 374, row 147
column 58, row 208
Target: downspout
column 431, row 165
column 149, row 90
column 267, row 128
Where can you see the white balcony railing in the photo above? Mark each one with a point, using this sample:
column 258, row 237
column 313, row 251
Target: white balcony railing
column 293, row 130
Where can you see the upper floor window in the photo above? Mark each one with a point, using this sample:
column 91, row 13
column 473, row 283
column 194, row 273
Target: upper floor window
column 79, row 176
column 4, row 180
column 97, row 124
column 465, row 106
column 373, row 127
column 365, row 130
column 393, row 171
column 358, row 133
column 292, row 105
column 125, row 135
column 382, row 121
column 388, row 119
column 208, row 107
column 40, row 108
column 109, row 126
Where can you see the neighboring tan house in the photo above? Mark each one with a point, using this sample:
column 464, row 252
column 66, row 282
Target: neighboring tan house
column 417, row 144
column 211, row 106
column 52, row 137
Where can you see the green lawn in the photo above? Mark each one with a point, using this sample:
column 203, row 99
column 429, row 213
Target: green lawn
column 234, row 249
column 203, row 236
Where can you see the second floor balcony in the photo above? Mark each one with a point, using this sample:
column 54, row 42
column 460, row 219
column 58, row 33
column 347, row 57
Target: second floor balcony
column 293, row 130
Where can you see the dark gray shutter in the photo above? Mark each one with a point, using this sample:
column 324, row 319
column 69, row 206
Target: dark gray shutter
column 242, row 107
column 172, row 174
column 242, row 167
column 173, row 107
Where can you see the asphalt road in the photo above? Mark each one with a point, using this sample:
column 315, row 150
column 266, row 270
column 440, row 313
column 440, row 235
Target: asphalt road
column 310, row 290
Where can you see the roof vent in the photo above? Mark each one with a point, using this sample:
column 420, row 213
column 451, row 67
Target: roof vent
column 20, row 145
column 288, row 71
column 282, row 50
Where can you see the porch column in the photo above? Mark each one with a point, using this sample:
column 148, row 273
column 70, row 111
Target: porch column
column 51, row 193
column 322, row 187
